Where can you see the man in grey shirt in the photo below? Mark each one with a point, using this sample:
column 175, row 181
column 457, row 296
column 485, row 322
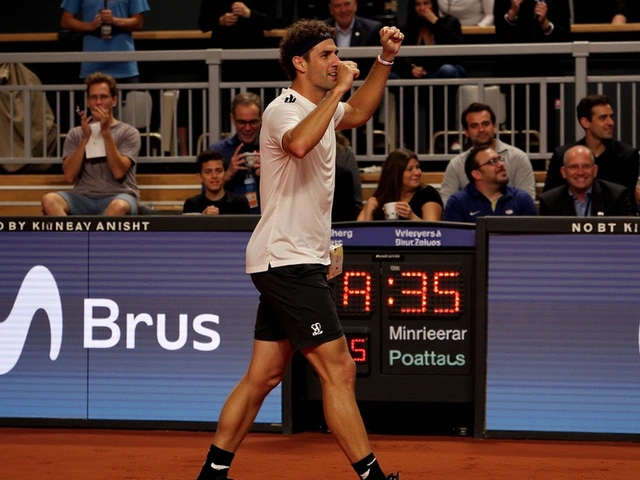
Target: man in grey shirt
column 479, row 122
column 99, row 159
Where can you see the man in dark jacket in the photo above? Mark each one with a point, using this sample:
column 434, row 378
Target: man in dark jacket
column 583, row 195
column 617, row 162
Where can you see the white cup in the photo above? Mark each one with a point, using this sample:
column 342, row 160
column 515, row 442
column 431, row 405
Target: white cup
column 390, row 212
column 249, row 160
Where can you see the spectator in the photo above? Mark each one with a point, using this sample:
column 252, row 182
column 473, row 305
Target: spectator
column 240, row 178
column 583, row 194
column 124, row 16
column 597, row 11
column 215, row 200
column 352, row 30
column 99, row 158
column 235, row 25
column 469, row 12
column 479, row 123
column 529, row 21
column 401, row 181
column 487, row 192
column 524, row 21
column 347, row 197
column 617, row 162
column 425, row 27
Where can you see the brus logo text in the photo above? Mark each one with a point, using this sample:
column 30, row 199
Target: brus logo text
column 39, row 291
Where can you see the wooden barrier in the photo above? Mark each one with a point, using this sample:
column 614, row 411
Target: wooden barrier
column 471, row 30
column 21, row 194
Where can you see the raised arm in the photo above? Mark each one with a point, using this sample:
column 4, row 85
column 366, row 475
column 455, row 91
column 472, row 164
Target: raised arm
column 366, row 99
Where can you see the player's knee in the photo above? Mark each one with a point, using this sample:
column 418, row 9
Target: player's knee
column 266, row 382
column 340, row 372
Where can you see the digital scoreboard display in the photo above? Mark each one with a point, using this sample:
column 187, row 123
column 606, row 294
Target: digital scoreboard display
column 404, row 301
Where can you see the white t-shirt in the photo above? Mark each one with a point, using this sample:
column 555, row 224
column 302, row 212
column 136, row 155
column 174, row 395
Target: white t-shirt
column 296, row 194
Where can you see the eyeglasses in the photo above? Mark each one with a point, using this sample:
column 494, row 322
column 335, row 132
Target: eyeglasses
column 492, row 161
column 251, row 123
column 575, row 168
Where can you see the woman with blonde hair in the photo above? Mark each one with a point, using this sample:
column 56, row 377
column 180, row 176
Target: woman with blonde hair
column 401, row 182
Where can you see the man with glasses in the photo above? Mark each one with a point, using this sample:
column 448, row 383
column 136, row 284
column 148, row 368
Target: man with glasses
column 241, row 151
column 479, row 123
column 584, row 195
column 487, row 192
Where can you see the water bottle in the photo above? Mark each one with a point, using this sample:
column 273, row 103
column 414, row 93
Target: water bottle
column 251, row 191
column 105, row 28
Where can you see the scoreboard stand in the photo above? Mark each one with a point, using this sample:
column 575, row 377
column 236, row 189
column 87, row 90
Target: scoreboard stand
column 405, row 302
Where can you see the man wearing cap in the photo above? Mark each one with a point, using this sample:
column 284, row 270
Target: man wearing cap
column 288, row 253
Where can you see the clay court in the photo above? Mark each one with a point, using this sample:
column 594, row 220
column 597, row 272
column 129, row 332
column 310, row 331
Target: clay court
column 96, row 454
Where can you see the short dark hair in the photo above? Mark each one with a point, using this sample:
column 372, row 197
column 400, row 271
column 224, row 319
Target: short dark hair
column 245, row 99
column 477, row 107
column 470, row 163
column 299, row 35
column 99, row 77
column 585, row 107
column 206, row 156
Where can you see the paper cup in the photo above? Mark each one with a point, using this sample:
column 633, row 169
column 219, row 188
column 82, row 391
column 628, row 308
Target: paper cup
column 390, row 212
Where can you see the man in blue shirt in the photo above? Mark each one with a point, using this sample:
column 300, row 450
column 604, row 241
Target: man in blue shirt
column 487, row 192
column 124, row 17
column 241, row 151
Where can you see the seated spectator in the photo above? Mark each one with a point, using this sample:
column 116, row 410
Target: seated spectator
column 524, row 21
column 401, row 181
column 424, row 27
column 479, row 123
column 584, row 195
column 347, row 201
column 615, row 12
column 99, row 159
column 351, row 29
column 214, row 200
column 487, row 193
column 235, row 25
column 617, row 162
column 240, row 178
column 469, row 12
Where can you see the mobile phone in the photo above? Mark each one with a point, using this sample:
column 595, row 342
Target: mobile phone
column 78, row 111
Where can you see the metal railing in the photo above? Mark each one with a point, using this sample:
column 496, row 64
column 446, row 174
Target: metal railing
column 405, row 117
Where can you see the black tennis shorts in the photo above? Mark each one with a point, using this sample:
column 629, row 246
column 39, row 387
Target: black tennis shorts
column 296, row 303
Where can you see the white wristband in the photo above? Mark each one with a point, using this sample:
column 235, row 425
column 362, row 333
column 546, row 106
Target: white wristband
column 384, row 62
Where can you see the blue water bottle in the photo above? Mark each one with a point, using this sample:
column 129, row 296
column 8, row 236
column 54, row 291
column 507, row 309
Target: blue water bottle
column 251, row 191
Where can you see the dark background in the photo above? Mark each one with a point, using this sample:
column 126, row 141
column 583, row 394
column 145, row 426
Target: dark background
column 29, row 16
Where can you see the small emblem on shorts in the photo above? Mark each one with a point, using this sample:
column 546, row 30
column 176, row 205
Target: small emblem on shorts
column 317, row 329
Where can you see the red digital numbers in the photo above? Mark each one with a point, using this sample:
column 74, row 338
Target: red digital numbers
column 357, row 290
column 437, row 292
column 359, row 348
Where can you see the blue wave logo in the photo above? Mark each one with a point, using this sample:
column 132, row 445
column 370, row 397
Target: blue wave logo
column 39, row 290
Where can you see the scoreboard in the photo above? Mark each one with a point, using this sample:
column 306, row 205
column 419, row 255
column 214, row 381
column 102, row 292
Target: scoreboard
column 404, row 300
